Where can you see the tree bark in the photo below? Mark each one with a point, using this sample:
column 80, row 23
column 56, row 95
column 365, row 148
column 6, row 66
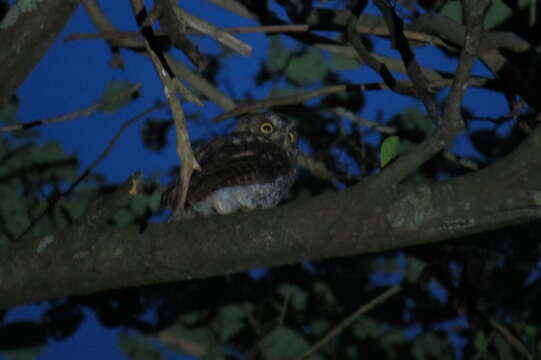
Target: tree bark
column 26, row 40
column 362, row 219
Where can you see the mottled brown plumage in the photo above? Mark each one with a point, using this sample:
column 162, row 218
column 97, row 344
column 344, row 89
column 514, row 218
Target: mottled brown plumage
column 233, row 166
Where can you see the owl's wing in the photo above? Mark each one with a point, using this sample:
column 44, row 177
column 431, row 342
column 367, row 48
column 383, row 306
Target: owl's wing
column 171, row 195
column 238, row 159
column 232, row 160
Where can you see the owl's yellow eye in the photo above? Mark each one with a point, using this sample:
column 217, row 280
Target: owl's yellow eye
column 292, row 137
column 266, row 128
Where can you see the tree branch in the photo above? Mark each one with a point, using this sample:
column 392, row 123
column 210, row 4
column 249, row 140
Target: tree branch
column 82, row 260
column 26, row 40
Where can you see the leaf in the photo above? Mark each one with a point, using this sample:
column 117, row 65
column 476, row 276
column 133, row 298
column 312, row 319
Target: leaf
column 116, row 95
column 537, row 197
column 277, row 54
column 50, row 160
column 29, row 353
column 497, row 13
column 198, row 341
column 413, row 118
column 154, row 133
column 430, row 346
column 480, row 342
column 414, row 269
column 389, row 150
column 453, row 10
column 320, row 327
column 283, row 343
column 340, row 62
column 502, row 347
column 229, row 322
column 137, row 347
column 297, row 296
column 307, row 68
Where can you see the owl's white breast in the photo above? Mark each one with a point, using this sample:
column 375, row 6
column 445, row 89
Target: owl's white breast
column 244, row 197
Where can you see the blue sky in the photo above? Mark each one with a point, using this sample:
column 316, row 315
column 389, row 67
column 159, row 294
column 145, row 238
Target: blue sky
column 73, row 75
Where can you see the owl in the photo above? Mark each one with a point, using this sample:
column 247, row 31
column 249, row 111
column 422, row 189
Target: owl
column 251, row 168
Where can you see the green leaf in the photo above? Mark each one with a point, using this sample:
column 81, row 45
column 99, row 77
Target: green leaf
column 320, row 327
column 154, row 133
column 453, row 10
column 201, row 339
column 283, row 343
column 340, row 62
column 503, row 349
column 297, row 296
column 480, row 342
column 137, row 347
column 430, row 346
column 413, row 118
column 116, row 95
column 277, row 54
column 389, row 150
column 497, row 13
column 229, row 322
column 307, row 68
column 367, row 328
column 414, row 269
column 29, row 353
column 52, row 161
column 537, row 197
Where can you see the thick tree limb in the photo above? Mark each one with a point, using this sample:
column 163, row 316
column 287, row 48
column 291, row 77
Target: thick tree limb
column 26, row 40
column 82, row 260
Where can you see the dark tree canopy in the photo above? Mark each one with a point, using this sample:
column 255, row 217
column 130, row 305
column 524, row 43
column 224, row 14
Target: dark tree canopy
column 393, row 244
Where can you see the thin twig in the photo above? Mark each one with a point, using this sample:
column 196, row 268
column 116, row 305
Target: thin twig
column 184, row 148
column 452, row 123
column 511, row 339
column 173, row 22
column 283, row 310
column 280, row 101
column 388, row 130
column 415, row 73
column 371, row 61
column 221, row 36
column 363, row 309
column 92, row 166
column 72, row 115
column 269, row 29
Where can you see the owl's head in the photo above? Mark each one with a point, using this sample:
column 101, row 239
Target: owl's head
column 278, row 129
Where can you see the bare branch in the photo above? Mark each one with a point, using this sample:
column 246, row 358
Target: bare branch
column 280, row 101
column 26, row 39
column 91, row 167
column 72, row 115
column 363, row 309
column 171, row 85
column 415, row 73
column 515, row 342
column 221, row 36
column 369, row 60
column 173, row 21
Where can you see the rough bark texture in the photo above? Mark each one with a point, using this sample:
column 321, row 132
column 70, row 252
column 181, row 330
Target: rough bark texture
column 26, row 41
column 362, row 219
